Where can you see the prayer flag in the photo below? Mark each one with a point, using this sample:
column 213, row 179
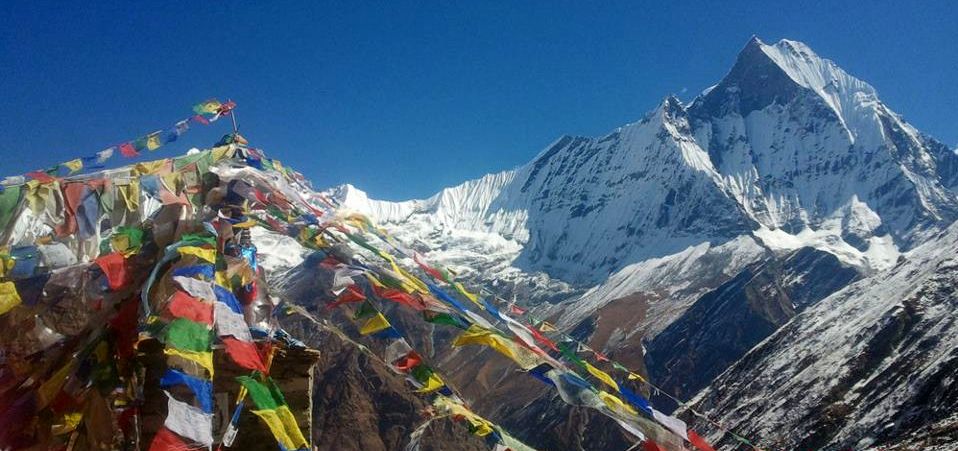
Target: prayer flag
column 545, row 326
column 197, row 288
column 244, row 354
column 74, row 165
column 601, row 375
column 352, row 294
column 635, row 399
column 427, row 377
column 166, row 440
column 673, row 424
column 189, row 422
column 105, row 154
column 9, row 298
column 199, row 252
column 127, row 150
column 202, row 389
column 699, row 442
column 203, row 359
column 374, row 324
column 230, row 323
column 407, row 362
column 187, row 335
column 476, row 335
column 194, row 271
column 114, row 267
column 153, row 141
column 272, row 409
column 182, row 305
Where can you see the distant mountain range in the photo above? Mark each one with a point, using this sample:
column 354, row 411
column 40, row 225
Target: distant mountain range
column 780, row 249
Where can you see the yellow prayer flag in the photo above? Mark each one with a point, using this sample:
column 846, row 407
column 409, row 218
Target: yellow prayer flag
column 374, row 324
column 204, row 359
column 68, row 423
column 249, row 223
column 601, row 375
column 275, row 425
column 635, row 376
column 199, row 252
column 547, row 327
column 476, row 335
column 170, row 181
column 9, row 298
column 291, row 428
column 150, row 167
column 223, row 280
column 74, row 165
column 130, row 193
column 6, row 263
column 432, row 384
column 374, row 280
column 153, row 141
column 51, row 387
column 462, row 290
column 221, row 152
column 615, row 404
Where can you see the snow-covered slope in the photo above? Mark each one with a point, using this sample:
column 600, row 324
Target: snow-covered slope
column 867, row 364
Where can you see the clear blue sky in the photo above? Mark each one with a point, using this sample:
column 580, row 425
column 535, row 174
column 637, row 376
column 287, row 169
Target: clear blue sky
column 402, row 98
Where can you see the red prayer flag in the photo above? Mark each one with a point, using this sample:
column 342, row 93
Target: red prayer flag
column 200, row 119
column 128, row 151
column 248, row 293
column 167, row 440
column 40, row 176
column 244, row 354
column 407, row 362
column 114, row 267
column 516, row 309
column 425, row 267
column 601, row 357
column 123, row 326
column 400, row 297
column 182, row 305
column 699, row 442
column 543, row 339
column 649, row 445
column 352, row 294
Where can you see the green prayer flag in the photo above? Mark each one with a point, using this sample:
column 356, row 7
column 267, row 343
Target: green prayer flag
column 261, row 395
column 444, row 318
column 570, row 354
column 187, row 335
column 9, row 199
column 365, row 310
column 421, row 373
column 197, row 239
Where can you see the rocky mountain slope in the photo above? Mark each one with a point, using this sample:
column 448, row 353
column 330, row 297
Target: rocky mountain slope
column 684, row 239
column 869, row 364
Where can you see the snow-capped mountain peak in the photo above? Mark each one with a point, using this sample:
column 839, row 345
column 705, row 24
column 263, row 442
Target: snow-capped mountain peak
column 787, row 145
